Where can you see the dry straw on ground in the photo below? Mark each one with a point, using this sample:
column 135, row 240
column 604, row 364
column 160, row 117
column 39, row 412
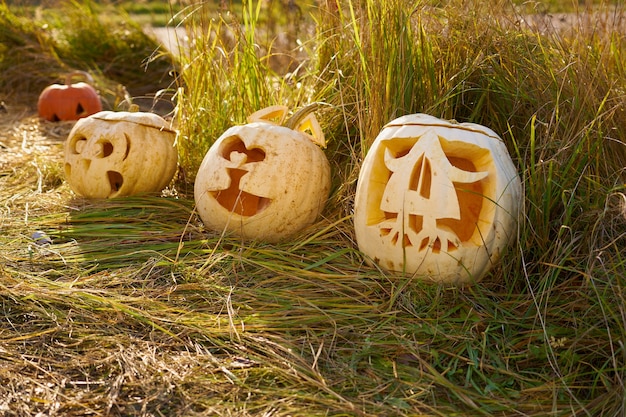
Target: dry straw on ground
column 131, row 307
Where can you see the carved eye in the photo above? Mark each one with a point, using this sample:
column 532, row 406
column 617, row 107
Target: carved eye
column 77, row 144
column 436, row 198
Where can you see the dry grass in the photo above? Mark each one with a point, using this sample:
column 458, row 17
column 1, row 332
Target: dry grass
column 136, row 309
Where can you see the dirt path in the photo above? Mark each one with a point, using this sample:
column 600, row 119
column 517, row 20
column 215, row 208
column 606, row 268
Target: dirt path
column 171, row 38
column 611, row 20
column 606, row 21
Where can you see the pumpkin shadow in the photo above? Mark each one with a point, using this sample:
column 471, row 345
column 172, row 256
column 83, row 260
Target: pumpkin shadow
column 128, row 231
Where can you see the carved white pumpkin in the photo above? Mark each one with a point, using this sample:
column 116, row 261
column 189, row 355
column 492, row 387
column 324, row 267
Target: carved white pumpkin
column 437, row 199
column 113, row 154
column 262, row 180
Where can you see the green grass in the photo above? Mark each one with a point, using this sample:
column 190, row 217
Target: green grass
column 137, row 309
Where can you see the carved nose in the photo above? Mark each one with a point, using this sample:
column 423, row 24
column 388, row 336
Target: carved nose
column 103, row 150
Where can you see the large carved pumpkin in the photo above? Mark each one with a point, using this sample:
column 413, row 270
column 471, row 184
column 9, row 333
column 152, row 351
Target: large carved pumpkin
column 114, row 154
column 437, row 199
column 263, row 180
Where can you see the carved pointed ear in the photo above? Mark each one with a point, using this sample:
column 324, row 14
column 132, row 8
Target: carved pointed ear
column 391, row 161
column 310, row 126
column 272, row 114
column 458, row 175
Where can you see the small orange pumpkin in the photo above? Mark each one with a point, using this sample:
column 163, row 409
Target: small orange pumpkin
column 70, row 101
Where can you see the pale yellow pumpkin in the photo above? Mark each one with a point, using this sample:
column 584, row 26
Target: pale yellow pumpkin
column 437, row 199
column 262, row 180
column 113, row 154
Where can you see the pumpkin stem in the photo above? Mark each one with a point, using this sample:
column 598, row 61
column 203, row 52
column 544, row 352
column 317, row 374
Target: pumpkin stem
column 304, row 120
column 298, row 116
column 77, row 73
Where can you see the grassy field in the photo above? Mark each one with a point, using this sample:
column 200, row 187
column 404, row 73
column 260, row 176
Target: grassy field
column 135, row 308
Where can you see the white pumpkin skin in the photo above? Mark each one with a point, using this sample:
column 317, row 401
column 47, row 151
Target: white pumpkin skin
column 437, row 199
column 114, row 154
column 262, row 181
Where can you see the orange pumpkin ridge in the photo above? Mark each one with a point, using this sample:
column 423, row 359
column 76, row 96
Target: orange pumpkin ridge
column 69, row 101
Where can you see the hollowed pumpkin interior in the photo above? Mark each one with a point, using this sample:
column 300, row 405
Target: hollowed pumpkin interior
column 234, row 198
column 470, row 197
column 444, row 232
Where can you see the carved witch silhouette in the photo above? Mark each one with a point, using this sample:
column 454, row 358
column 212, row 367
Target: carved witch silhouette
column 426, row 178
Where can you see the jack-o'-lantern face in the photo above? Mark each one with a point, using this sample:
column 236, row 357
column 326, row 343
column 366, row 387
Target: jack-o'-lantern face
column 113, row 154
column 243, row 196
column 262, row 181
column 100, row 159
column 436, row 199
column 70, row 101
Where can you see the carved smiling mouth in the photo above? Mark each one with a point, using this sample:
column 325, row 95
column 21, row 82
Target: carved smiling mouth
column 233, row 198
column 238, row 201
